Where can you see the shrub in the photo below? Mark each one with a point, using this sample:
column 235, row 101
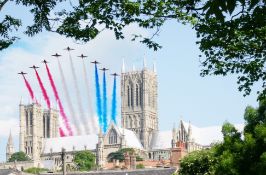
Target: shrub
column 140, row 166
column 35, row 170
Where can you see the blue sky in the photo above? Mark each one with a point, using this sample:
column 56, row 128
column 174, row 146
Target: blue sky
column 182, row 92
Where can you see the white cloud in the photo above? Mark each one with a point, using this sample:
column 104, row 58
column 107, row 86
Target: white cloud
column 9, row 125
column 105, row 48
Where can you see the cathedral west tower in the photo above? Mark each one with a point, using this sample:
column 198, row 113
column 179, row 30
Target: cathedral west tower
column 35, row 125
column 139, row 103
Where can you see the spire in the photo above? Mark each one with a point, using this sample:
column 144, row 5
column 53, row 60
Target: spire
column 174, row 128
column 100, row 133
column 154, row 67
column 21, row 100
column 133, row 67
column 189, row 131
column 57, row 105
column 174, row 132
column 123, row 66
column 144, row 63
column 10, row 139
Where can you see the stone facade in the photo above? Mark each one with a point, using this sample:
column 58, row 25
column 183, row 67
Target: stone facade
column 139, row 103
column 10, row 149
column 35, row 125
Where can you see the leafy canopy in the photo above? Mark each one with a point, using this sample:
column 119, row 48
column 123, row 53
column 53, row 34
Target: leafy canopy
column 18, row 156
column 235, row 155
column 231, row 33
column 85, row 160
column 119, row 155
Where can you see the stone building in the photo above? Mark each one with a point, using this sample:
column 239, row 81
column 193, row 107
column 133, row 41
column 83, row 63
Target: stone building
column 139, row 103
column 10, row 149
column 139, row 128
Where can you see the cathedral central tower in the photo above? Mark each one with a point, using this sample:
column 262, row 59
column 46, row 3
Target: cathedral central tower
column 139, row 103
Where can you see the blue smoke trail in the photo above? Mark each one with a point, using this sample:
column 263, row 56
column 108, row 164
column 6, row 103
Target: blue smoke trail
column 98, row 97
column 104, row 103
column 113, row 115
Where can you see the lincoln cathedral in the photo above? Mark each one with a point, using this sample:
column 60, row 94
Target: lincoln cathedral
column 139, row 129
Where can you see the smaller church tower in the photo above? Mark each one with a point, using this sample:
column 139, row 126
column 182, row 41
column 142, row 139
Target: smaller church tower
column 9, row 147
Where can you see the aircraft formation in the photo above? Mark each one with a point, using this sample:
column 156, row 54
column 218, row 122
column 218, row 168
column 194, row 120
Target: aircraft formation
column 78, row 119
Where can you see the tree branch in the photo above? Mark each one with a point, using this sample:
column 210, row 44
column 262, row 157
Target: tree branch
column 2, row 4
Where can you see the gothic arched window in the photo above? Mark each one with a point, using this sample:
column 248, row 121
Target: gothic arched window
column 128, row 96
column 137, row 95
column 141, row 95
column 113, row 137
column 132, row 96
column 44, row 126
column 130, row 122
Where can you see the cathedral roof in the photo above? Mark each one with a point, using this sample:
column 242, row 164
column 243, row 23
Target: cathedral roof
column 79, row 143
column 131, row 139
column 70, row 143
column 208, row 135
column 204, row 136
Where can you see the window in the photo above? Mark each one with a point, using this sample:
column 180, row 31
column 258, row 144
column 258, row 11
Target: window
column 112, row 137
column 141, row 96
column 128, row 96
column 27, row 123
column 44, row 126
column 137, row 95
column 48, row 127
column 132, row 95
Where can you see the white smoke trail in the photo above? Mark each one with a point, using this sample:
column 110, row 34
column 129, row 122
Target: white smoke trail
column 80, row 108
column 69, row 103
column 92, row 121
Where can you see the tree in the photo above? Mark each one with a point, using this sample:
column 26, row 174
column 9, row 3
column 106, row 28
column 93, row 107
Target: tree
column 231, row 33
column 235, row 155
column 198, row 162
column 18, row 156
column 85, row 160
column 119, row 155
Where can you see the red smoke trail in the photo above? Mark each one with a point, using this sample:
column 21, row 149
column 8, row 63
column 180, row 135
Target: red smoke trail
column 29, row 89
column 61, row 109
column 46, row 98
column 61, row 132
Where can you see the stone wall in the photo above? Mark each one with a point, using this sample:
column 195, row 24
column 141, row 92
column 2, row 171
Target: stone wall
column 19, row 165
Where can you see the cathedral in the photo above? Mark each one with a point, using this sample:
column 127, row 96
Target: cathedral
column 39, row 137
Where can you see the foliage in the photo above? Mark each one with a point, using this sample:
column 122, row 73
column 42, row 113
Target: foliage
column 231, row 33
column 140, row 166
column 85, row 160
column 35, row 170
column 119, row 155
column 138, row 158
column 235, row 155
column 18, row 156
column 232, row 37
column 198, row 162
